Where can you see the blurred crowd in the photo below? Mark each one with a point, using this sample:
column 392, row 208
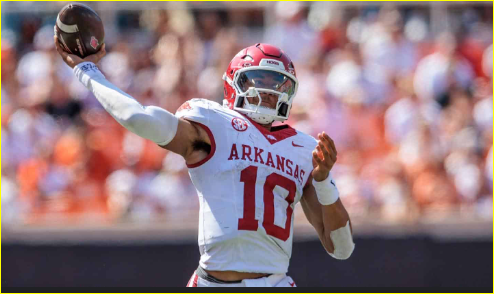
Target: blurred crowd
column 406, row 98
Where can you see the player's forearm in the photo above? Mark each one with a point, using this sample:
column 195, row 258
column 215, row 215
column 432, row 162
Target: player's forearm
column 337, row 231
column 336, row 234
column 150, row 122
column 324, row 219
column 331, row 210
column 334, row 216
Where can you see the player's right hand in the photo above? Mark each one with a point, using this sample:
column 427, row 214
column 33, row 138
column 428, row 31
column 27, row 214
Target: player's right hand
column 73, row 60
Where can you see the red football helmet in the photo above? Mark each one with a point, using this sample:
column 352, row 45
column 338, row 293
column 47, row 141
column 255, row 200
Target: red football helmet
column 261, row 68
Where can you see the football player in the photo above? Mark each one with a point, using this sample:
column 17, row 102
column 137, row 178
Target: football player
column 249, row 174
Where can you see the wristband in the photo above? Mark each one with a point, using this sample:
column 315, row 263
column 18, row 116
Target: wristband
column 326, row 191
column 87, row 71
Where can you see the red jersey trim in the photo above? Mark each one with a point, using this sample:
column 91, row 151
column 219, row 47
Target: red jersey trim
column 213, row 147
column 279, row 135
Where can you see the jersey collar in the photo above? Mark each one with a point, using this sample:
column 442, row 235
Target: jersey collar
column 277, row 133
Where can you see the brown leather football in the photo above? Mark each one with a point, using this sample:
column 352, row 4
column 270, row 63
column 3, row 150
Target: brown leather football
column 79, row 30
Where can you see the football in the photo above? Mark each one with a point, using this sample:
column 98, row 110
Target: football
column 79, row 30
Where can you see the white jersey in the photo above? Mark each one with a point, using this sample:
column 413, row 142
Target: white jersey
column 248, row 187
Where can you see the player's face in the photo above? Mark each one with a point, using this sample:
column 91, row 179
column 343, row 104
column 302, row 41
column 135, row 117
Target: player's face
column 261, row 79
column 268, row 100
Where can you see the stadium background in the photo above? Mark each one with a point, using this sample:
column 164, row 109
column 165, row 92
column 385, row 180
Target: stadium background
column 404, row 89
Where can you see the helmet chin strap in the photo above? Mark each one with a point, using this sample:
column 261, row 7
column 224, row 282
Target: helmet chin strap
column 260, row 118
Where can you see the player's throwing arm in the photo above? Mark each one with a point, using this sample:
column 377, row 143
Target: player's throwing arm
column 149, row 122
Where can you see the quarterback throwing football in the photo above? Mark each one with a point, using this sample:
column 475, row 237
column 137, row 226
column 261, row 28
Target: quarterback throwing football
column 249, row 175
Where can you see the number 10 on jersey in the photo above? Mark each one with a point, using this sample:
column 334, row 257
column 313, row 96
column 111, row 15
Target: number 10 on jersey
column 248, row 176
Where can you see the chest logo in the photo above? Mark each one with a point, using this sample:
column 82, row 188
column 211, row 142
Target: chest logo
column 239, row 124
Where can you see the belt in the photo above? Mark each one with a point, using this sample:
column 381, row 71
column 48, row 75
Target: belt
column 201, row 273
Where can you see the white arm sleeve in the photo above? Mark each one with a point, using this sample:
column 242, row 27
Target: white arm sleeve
column 343, row 242
column 150, row 122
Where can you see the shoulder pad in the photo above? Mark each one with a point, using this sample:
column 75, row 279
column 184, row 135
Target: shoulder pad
column 197, row 109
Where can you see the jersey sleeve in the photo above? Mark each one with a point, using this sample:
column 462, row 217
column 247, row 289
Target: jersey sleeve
column 196, row 110
column 309, row 142
column 202, row 112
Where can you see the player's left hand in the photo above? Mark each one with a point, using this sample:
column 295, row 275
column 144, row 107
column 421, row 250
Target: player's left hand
column 323, row 157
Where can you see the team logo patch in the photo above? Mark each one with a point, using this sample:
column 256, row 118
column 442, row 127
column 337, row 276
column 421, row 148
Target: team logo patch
column 239, row 124
column 94, row 42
